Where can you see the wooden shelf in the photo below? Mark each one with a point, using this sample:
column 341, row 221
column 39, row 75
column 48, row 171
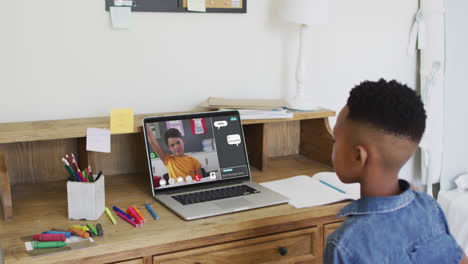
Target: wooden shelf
column 76, row 128
column 40, row 207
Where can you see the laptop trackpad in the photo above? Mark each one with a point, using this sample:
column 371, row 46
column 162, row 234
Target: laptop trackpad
column 239, row 203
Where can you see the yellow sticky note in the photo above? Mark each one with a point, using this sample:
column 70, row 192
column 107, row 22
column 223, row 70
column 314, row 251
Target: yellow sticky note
column 121, row 121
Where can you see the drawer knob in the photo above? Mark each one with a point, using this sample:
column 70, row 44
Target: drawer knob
column 283, row 251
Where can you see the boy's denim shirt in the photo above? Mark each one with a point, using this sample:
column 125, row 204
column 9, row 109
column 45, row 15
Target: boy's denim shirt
column 406, row 228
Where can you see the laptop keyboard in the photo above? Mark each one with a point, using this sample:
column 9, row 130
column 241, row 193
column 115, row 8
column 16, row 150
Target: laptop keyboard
column 214, row 194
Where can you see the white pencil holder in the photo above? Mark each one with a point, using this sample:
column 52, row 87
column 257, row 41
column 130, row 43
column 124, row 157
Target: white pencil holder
column 86, row 200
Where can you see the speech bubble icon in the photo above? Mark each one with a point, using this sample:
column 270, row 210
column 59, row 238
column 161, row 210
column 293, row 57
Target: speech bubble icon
column 234, row 139
column 220, row 124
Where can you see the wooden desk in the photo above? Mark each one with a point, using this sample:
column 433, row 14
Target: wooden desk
column 253, row 236
column 32, row 185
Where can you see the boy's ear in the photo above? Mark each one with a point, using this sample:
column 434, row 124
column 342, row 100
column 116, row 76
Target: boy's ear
column 360, row 155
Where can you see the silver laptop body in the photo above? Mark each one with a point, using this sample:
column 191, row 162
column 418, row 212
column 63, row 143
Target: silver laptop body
column 216, row 142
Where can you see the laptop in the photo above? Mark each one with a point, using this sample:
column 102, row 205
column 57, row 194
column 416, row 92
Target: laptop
column 198, row 165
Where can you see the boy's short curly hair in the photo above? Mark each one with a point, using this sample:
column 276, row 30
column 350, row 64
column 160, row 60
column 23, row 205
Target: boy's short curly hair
column 171, row 133
column 390, row 106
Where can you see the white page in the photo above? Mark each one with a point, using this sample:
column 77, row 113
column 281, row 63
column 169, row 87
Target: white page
column 98, row 140
column 306, row 191
column 353, row 190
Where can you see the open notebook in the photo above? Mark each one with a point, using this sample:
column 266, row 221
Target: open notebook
column 306, row 191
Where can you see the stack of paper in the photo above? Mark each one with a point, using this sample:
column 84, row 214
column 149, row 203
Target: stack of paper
column 263, row 114
column 322, row 188
column 263, row 104
column 251, row 108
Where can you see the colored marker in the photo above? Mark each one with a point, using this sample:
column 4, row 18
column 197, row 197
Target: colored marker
column 92, row 228
column 109, row 213
column 100, row 231
column 117, row 210
column 51, row 244
column 49, row 237
column 124, row 217
column 135, row 216
column 79, row 232
column 139, row 214
column 82, row 228
column 333, row 187
column 67, row 234
column 156, row 217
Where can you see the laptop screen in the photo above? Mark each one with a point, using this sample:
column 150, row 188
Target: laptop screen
column 195, row 149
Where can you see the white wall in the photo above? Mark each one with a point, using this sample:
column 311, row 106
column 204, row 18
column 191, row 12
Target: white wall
column 62, row 59
column 456, row 93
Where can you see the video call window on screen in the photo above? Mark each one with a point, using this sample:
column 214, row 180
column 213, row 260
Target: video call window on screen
column 197, row 150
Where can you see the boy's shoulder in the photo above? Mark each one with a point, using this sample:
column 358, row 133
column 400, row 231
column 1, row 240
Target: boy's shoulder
column 390, row 225
column 414, row 206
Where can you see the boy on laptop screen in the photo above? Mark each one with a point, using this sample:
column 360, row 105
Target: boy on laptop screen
column 185, row 151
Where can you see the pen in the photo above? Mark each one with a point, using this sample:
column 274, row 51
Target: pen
column 99, row 175
column 156, row 217
column 333, row 187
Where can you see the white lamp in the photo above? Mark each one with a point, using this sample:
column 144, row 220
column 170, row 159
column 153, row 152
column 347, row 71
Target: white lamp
column 305, row 13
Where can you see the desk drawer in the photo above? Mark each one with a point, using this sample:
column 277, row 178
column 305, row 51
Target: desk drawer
column 302, row 244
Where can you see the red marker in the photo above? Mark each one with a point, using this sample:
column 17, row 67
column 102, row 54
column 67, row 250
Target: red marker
column 135, row 216
column 49, row 237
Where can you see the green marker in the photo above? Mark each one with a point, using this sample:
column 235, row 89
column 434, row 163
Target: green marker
column 50, row 244
column 92, row 228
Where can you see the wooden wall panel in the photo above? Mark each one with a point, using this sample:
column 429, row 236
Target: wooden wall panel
column 128, row 155
column 283, row 138
column 39, row 161
column 316, row 140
